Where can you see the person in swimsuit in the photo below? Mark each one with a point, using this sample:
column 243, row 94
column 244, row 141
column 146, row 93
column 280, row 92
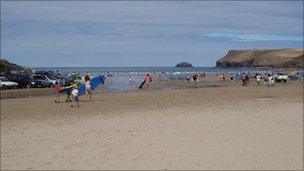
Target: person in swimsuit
column 87, row 83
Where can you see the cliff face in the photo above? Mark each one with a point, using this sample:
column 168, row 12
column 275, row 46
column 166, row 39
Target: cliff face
column 7, row 66
column 282, row 58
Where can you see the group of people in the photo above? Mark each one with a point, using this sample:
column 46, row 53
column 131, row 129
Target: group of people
column 73, row 90
column 221, row 77
column 268, row 79
column 196, row 77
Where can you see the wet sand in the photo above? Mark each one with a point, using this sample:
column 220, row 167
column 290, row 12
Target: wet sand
column 199, row 127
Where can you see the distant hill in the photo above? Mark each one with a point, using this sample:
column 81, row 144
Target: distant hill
column 6, row 66
column 281, row 58
column 184, row 64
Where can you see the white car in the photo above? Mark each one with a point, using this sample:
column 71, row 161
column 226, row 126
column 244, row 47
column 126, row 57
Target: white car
column 5, row 83
column 280, row 77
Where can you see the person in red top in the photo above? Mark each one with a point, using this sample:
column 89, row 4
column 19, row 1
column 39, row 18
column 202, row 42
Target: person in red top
column 57, row 89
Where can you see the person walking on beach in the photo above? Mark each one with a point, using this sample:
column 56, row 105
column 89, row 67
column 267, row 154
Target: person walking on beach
column 265, row 78
column 231, row 77
column 270, row 80
column 194, row 78
column 57, row 89
column 258, row 78
column 247, row 79
column 244, row 79
column 87, row 83
column 75, row 96
column 68, row 91
column 188, row 79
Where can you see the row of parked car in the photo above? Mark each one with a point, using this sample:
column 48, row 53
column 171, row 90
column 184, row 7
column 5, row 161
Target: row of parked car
column 38, row 79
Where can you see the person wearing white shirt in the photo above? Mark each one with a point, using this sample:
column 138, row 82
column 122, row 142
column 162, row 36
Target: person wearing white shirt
column 75, row 95
column 258, row 78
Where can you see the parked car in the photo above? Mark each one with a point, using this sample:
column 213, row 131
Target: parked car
column 5, row 83
column 52, row 76
column 280, row 77
column 23, row 80
column 43, row 81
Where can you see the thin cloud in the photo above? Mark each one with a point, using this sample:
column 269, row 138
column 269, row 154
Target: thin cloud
column 253, row 37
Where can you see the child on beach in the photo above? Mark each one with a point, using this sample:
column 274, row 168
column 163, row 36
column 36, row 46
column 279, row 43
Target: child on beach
column 57, row 89
column 75, row 96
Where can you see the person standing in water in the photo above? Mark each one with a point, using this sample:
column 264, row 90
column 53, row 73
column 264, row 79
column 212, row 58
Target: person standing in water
column 87, row 83
column 130, row 80
column 148, row 79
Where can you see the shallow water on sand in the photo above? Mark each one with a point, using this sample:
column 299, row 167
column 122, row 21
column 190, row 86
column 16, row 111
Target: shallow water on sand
column 120, row 75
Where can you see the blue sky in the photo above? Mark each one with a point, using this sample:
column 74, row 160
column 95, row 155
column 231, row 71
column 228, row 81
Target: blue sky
column 143, row 33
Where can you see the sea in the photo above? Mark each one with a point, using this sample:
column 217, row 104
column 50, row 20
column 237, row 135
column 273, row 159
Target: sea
column 118, row 82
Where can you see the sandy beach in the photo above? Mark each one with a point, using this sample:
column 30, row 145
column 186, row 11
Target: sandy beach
column 228, row 127
column 153, row 85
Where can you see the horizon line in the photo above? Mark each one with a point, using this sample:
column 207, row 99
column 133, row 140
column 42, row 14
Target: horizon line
column 118, row 67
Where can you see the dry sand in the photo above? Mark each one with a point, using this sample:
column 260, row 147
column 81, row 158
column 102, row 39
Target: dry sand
column 230, row 127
